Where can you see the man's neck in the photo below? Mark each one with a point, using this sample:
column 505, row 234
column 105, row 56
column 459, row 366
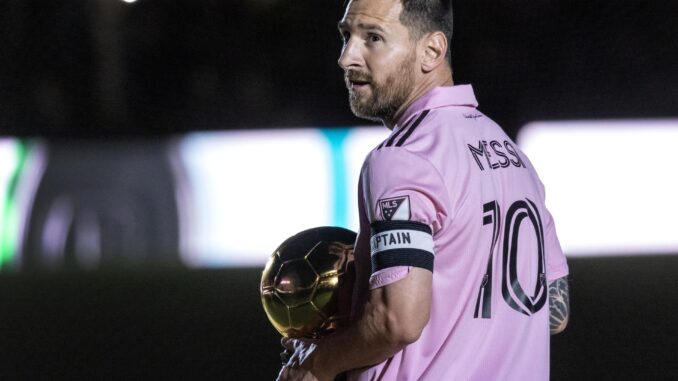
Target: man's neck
column 424, row 87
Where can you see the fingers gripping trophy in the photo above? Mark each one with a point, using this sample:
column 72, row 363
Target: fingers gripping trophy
column 307, row 284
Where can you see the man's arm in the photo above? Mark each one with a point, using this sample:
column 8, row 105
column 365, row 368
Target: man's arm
column 559, row 305
column 394, row 317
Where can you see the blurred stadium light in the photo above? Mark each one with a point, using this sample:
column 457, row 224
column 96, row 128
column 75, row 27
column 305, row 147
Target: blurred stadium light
column 10, row 158
column 252, row 190
column 236, row 195
column 611, row 185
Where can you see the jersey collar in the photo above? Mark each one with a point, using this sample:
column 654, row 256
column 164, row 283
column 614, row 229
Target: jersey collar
column 459, row 95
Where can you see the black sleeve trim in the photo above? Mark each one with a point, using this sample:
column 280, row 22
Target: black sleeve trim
column 402, row 257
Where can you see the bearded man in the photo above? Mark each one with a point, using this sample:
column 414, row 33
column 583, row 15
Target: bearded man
column 459, row 272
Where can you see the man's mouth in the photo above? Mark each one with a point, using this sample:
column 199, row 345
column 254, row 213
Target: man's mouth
column 356, row 81
column 358, row 84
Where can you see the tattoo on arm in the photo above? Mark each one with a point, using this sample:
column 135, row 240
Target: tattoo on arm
column 559, row 305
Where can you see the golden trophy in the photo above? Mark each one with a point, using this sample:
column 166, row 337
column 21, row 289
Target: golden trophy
column 307, row 284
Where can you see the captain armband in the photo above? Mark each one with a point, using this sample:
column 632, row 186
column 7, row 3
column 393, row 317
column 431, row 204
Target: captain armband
column 401, row 243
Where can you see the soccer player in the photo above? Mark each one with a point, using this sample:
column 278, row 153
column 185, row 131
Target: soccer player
column 460, row 275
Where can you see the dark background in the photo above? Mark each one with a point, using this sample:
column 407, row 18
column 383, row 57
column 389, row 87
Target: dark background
column 104, row 67
column 163, row 323
column 156, row 68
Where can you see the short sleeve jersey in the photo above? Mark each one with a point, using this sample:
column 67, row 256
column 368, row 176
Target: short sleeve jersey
column 448, row 167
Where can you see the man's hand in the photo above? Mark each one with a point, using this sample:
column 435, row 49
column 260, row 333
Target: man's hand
column 295, row 374
column 300, row 366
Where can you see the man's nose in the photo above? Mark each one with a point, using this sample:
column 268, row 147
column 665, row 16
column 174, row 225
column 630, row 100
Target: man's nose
column 350, row 55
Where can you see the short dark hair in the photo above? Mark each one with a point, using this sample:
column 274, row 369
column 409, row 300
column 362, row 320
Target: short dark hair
column 426, row 16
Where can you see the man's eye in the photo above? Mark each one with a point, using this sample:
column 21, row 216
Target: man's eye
column 374, row 37
column 345, row 36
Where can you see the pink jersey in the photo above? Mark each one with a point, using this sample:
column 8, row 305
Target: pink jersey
column 450, row 191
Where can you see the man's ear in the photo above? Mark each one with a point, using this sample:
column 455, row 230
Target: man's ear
column 435, row 49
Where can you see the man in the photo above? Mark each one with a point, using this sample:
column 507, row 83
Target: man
column 458, row 266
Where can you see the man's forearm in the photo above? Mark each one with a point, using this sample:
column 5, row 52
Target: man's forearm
column 364, row 343
column 559, row 305
column 394, row 316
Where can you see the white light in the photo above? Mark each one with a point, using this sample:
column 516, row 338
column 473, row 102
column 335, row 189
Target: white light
column 249, row 191
column 8, row 162
column 252, row 190
column 358, row 144
column 611, row 186
column 129, row 1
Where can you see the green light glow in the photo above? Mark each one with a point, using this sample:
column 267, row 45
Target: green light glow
column 9, row 222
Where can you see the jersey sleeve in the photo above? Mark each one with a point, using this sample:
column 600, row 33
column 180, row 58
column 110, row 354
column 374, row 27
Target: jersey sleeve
column 405, row 202
column 556, row 263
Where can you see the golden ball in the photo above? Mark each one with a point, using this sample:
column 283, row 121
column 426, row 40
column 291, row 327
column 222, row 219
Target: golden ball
column 307, row 283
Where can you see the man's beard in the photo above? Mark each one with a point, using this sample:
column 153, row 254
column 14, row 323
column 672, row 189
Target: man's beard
column 384, row 99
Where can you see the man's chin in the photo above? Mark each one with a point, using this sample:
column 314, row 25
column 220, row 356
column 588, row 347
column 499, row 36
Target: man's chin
column 362, row 109
column 360, row 113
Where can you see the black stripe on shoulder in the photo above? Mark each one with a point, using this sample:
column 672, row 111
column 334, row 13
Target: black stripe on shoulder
column 382, row 226
column 389, row 142
column 402, row 257
column 411, row 129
